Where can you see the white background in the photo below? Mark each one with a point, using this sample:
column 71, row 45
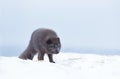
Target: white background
column 79, row 23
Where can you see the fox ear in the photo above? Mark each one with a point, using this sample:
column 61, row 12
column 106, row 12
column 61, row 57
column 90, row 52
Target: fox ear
column 49, row 41
column 58, row 39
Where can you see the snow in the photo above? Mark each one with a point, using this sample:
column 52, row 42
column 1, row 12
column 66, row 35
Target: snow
column 67, row 66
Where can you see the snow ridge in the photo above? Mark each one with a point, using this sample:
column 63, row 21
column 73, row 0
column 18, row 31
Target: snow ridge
column 67, row 66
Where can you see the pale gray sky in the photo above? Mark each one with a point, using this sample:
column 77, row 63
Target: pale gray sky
column 79, row 23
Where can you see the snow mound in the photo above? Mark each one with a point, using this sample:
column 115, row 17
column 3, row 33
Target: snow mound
column 67, row 66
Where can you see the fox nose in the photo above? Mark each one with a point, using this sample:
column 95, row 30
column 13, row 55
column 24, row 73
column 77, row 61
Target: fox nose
column 56, row 52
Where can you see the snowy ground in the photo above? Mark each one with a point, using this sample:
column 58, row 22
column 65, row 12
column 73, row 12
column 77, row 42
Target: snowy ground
column 67, row 66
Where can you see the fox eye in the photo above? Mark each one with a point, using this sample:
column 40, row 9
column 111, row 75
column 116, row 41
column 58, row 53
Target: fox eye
column 49, row 42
